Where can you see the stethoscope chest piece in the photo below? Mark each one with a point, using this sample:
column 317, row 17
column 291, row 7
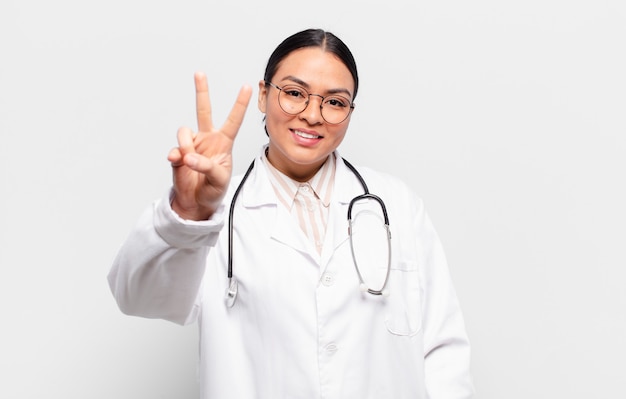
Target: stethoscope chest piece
column 231, row 292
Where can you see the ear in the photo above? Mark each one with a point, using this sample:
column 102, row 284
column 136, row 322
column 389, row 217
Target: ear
column 262, row 102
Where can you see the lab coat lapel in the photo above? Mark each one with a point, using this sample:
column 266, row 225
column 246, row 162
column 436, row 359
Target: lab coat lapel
column 346, row 187
column 289, row 233
column 258, row 192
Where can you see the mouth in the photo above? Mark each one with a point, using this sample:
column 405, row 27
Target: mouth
column 306, row 135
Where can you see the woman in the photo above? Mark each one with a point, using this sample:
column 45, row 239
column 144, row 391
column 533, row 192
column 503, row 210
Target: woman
column 306, row 311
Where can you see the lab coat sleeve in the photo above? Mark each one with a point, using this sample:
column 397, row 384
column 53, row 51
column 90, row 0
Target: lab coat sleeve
column 158, row 271
column 446, row 344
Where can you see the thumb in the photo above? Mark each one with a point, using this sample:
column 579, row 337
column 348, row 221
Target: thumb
column 216, row 171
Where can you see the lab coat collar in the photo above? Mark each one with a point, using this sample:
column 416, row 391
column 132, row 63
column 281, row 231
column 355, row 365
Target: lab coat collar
column 258, row 192
column 347, row 185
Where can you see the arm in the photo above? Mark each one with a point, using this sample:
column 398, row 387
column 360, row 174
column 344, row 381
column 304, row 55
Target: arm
column 446, row 345
column 159, row 269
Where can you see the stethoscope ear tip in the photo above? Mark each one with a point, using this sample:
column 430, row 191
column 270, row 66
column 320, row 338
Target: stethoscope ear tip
column 363, row 287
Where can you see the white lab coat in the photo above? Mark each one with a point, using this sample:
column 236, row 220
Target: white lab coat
column 300, row 326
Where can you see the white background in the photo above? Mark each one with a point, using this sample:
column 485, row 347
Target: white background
column 507, row 117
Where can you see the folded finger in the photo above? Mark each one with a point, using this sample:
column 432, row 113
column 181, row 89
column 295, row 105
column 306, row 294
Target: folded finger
column 185, row 141
column 215, row 175
column 175, row 157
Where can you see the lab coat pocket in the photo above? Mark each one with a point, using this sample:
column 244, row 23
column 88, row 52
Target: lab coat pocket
column 404, row 311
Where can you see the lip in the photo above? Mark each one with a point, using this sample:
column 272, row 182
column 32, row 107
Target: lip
column 301, row 139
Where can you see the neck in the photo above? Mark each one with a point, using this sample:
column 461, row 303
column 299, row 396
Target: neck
column 298, row 172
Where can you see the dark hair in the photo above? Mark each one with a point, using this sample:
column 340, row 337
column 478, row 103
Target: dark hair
column 313, row 38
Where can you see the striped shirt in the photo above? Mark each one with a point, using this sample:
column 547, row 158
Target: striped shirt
column 308, row 202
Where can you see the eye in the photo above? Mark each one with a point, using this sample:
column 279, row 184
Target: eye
column 295, row 92
column 337, row 102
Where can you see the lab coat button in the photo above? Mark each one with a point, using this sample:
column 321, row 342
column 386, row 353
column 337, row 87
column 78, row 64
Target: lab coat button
column 331, row 348
column 328, row 279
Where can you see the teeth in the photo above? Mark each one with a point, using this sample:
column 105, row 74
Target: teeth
column 306, row 135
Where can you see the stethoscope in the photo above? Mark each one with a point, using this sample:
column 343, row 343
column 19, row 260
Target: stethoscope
column 232, row 290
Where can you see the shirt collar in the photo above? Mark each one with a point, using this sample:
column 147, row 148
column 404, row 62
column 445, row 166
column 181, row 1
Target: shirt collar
column 286, row 188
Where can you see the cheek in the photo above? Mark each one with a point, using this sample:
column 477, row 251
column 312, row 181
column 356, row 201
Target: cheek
column 276, row 120
column 276, row 115
column 339, row 132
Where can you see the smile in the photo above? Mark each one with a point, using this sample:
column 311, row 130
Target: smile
column 306, row 135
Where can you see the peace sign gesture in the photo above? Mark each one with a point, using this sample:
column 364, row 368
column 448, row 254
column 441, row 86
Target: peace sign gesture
column 202, row 162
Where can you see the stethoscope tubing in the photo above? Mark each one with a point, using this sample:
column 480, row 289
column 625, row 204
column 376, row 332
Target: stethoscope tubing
column 231, row 292
column 230, row 219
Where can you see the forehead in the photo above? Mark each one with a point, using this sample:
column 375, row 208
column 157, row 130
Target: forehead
column 318, row 68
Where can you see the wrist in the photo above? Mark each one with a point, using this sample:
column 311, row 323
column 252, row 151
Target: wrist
column 196, row 213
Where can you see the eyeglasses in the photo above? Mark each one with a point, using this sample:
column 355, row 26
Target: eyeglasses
column 294, row 99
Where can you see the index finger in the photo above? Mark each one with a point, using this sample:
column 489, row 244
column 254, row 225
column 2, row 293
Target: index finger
column 203, row 103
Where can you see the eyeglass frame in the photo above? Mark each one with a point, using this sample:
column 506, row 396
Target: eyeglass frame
column 306, row 104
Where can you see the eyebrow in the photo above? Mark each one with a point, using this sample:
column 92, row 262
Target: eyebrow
column 308, row 87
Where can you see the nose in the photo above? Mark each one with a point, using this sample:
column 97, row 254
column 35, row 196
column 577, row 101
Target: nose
column 313, row 111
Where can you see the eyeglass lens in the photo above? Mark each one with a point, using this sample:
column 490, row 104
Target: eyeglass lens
column 294, row 99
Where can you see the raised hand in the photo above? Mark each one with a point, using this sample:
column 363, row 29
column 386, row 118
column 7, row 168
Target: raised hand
column 202, row 162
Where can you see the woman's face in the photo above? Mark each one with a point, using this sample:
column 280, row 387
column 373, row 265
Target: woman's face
column 300, row 144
